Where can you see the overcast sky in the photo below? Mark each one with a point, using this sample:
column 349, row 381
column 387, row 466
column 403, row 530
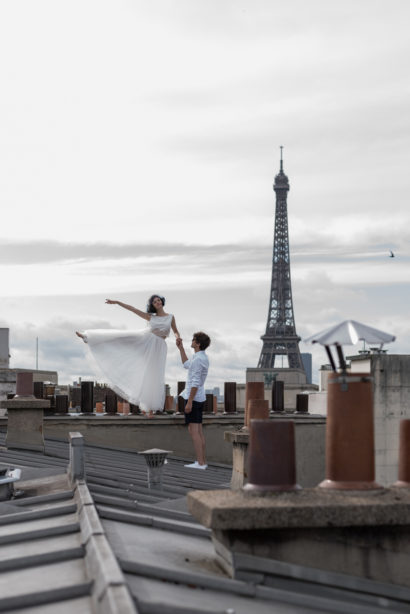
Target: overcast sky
column 138, row 146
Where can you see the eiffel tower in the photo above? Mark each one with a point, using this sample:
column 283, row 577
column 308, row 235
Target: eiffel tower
column 280, row 340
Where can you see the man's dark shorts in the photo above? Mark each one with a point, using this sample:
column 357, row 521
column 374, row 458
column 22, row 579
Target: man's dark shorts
column 195, row 416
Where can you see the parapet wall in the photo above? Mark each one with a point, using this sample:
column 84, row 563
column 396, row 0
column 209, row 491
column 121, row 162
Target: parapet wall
column 170, row 433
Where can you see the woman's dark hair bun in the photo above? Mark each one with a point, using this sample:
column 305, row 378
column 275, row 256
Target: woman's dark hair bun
column 150, row 306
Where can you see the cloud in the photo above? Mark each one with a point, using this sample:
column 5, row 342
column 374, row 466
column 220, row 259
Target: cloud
column 235, row 318
column 359, row 257
column 347, row 236
column 46, row 251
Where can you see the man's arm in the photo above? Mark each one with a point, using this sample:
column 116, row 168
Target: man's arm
column 188, row 406
column 180, row 346
column 197, row 371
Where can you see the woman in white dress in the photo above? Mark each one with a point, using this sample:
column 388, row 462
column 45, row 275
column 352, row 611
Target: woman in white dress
column 133, row 362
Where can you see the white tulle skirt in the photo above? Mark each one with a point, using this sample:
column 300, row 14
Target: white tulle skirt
column 132, row 363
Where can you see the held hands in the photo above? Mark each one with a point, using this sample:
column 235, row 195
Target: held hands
column 178, row 341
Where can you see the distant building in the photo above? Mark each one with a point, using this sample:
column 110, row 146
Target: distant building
column 323, row 376
column 4, row 348
column 307, row 365
column 216, row 392
column 8, row 381
column 8, row 376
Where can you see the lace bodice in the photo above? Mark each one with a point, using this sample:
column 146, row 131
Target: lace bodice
column 160, row 325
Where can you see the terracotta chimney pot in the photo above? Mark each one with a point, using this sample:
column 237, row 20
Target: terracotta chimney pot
column 404, row 455
column 254, row 390
column 271, row 460
column 350, row 433
column 258, row 409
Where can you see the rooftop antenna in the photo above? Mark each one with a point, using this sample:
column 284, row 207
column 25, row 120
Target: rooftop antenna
column 36, row 353
column 281, row 158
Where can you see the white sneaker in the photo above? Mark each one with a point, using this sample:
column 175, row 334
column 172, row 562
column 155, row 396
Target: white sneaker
column 196, row 465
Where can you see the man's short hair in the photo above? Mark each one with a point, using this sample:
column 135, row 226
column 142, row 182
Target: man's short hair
column 203, row 340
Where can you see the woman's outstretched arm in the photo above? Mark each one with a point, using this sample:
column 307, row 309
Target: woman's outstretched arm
column 174, row 328
column 141, row 314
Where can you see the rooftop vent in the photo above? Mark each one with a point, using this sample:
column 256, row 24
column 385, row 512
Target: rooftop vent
column 155, row 459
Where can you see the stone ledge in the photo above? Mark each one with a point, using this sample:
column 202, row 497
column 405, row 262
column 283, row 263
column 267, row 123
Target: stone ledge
column 237, row 437
column 127, row 419
column 242, row 436
column 308, row 508
column 25, row 403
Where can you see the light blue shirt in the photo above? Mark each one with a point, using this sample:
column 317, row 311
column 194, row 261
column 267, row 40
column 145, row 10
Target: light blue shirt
column 197, row 367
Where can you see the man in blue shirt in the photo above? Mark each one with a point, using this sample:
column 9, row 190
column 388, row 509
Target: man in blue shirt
column 194, row 393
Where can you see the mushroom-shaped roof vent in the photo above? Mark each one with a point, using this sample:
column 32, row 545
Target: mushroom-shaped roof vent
column 350, row 332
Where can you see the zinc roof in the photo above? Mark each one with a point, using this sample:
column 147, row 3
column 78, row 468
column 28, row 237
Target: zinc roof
column 157, row 553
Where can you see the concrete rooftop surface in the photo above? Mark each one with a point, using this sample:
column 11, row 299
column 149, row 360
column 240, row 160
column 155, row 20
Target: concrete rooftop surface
column 111, row 544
